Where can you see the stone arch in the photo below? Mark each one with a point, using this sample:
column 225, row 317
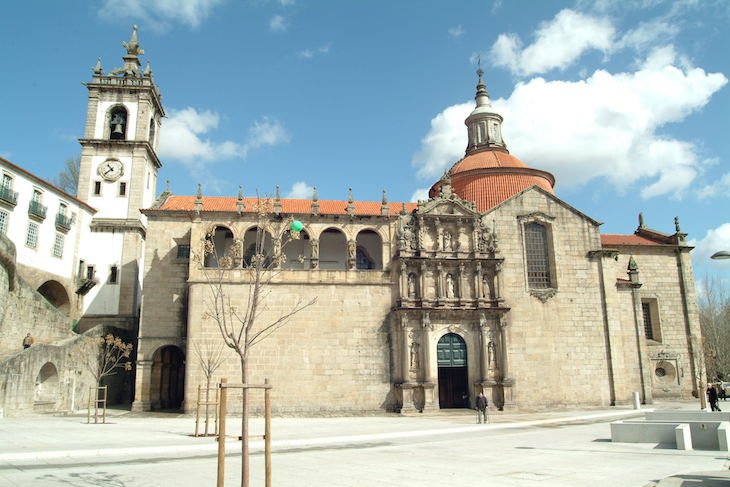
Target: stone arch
column 113, row 130
column 257, row 240
column 332, row 249
column 293, row 249
column 369, row 250
column 222, row 241
column 167, row 376
column 55, row 293
column 46, row 390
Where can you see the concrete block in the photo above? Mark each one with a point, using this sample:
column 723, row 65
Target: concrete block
column 683, row 436
column 723, row 435
column 643, row 432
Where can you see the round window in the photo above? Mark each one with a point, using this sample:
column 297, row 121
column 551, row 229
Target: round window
column 660, row 372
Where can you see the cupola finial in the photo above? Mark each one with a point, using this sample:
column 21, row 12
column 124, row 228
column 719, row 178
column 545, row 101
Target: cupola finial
column 485, row 125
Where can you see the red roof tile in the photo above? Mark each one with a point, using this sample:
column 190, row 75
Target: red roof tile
column 487, row 158
column 326, row 207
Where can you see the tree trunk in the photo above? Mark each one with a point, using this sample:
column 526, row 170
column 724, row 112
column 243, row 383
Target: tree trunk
column 244, row 424
column 207, row 402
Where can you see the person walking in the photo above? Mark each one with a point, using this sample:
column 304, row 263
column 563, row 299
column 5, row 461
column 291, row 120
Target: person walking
column 712, row 398
column 482, row 405
column 28, row 341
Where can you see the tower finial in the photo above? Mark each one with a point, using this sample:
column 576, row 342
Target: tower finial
column 98, row 70
column 132, row 46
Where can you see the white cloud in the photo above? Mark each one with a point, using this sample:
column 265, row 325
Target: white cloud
column 721, row 186
column 715, row 239
column 278, row 23
column 300, row 190
column 558, row 43
column 457, row 31
column 605, row 126
column 185, row 137
column 310, row 53
column 160, row 13
column 421, row 194
column 647, row 34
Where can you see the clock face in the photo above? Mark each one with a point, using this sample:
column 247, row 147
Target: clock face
column 111, row 170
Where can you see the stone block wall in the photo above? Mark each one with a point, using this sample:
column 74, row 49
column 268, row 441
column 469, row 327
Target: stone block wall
column 23, row 310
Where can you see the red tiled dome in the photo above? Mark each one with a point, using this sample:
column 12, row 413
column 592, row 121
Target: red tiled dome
column 490, row 177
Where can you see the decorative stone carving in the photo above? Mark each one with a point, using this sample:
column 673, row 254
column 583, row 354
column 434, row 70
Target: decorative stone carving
column 543, row 294
column 412, row 285
column 406, row 232
column 450, row 292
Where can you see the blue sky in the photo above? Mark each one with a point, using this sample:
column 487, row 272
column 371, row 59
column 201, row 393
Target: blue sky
column 627, row 103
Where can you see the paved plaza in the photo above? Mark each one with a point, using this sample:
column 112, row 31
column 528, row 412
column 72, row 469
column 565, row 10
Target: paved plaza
column 523, row 448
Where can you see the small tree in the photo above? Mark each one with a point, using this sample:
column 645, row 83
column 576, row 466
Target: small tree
column 107, row 354
column 210, row 358
column 113, row 354
column 241, row 323
column 68, row 179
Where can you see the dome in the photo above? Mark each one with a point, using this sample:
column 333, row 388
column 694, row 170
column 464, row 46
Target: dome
column 489, row 174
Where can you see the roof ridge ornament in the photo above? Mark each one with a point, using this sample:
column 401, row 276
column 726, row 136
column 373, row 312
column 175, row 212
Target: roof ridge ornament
column 132, row 46
column 97, row 69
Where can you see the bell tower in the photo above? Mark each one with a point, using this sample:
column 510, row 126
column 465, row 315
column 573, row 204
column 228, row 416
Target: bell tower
column 118, row 176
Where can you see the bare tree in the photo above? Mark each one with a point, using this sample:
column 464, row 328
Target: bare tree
column 714, row 309
column 210, row 357
column 68, row 179
column 113, row 354
column 243, row 322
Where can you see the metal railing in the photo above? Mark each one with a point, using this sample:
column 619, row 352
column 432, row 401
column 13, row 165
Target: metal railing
column 35, row 208
column 63, row 221
column 8, row 195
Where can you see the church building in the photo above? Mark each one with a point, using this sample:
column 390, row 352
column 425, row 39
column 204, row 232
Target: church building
column 494, row 284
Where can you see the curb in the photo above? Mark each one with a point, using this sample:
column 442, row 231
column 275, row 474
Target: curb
column 258, row 445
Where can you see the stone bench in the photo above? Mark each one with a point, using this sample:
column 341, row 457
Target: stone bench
column 685, row 435
column 681, row 416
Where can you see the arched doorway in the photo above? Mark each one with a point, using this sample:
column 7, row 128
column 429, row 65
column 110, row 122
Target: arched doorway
column 168, row 378
column 452, row 376
column 46, row 386
column 56, row 294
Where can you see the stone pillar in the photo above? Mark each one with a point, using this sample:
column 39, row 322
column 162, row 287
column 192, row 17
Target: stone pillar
column 459, row 291
column 428, row 382
column 439, row 281
column 143, row 374
column 403, row 281
column 478, row 282
column 422, row 280
column 641, row 347
column 406, row 385
column 439, row 234
column 484, row 355
column 314, row 263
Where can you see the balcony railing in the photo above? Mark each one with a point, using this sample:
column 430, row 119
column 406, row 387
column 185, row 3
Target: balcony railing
column 8, row 195
column 36, row 209
column 63, row 222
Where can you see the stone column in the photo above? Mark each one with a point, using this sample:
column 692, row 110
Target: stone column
column 406, row 385
column 422, row 280
column 459, row 291
column 478, row 282
column 502, row 360
column 641, row 347
column 403, row 281
column 426, row 361
column 439, row 234
column 315, row 253
column 143, row 378
column 439, row 281
column 484, row 355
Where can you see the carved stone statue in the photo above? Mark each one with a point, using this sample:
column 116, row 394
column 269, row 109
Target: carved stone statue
column 351, row 249
column 411, row 285
column 315, row 248
column 450, row 286
column 414, row 354
column 491, row 359
column 447, row 241
column 406, row 234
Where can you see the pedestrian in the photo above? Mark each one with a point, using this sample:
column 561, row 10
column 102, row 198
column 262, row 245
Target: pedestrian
column 723, row 394
column 712, row 397
column 482, row 405
column 28, row 341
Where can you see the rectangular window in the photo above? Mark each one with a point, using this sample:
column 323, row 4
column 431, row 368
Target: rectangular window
column 81, row 269
column 58, row 245
column 37, row 196
column 97, row 188
column 122, row 189
column 113, row 274
column 183, row 251
column 646, row 311
column 31, row 238
column 7, row 181
column 3, row 222
column 536, row 253
column 650, row 315
column 90, row 272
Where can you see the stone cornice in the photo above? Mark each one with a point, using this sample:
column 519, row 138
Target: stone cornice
column 118, row 224
column 143, row 143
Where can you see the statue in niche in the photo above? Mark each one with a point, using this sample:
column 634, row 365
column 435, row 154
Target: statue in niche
column 351, row 249
column 491, row 359
column 411, row 285
column 315, row 248
column 450, row 286
column 414, row 354
column 485, row 286
column 447, row 241
column 486, row 238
